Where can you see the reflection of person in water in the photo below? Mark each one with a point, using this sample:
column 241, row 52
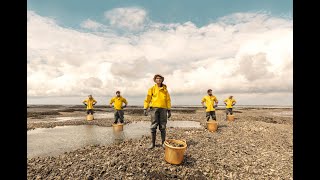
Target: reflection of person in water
column 118, row 136
column 89, row 103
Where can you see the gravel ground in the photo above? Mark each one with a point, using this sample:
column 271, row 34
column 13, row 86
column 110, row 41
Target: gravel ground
column 258, row 145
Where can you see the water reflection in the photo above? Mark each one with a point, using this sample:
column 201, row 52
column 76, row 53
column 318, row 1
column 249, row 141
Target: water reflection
column 55, row 141
column 118, row 136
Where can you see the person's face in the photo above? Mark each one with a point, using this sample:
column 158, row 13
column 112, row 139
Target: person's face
column 158, row 80
column 118, row 94
column 210, row 93
column 230, row 97
column 90, row 97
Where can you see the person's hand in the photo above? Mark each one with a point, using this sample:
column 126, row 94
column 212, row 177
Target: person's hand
column 110, row 105
column 124, row 106
column 85, row 105
column 145, row 112
column 216, row 105
column 204, row 107
column 233, row 104
column 169, row 113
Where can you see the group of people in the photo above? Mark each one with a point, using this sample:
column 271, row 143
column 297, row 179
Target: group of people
column 211, row 102
column 118, row 102
column 158, row 104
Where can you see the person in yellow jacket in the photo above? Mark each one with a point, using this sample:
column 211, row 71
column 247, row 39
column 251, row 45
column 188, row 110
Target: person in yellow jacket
column 229, row 102
column 158, row 99
column 89, row 103
column 118, row 101
column 211, row 103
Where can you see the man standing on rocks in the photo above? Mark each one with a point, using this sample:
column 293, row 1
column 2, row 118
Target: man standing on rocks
column 229, row 102
column 158, row 99
column 89, row 103
column 118, row 108
column 211, row 102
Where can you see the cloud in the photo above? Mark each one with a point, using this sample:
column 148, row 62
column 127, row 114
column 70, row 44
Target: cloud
column 92, row 25
column 132, row 18
column 243, row 54
column 254, row 67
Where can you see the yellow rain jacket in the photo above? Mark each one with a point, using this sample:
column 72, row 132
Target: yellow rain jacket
column 158, row 97
column 89, row 103
column 229, row 102
column 210, row 100
column 118, row 102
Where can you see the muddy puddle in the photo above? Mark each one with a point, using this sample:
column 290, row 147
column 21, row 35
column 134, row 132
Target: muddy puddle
column 55, row 141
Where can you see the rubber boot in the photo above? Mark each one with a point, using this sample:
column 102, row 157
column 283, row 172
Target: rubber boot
column 163, row 138
column 153, row 140
column 214, row 117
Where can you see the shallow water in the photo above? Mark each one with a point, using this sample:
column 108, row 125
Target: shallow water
column 283, row 113
column 96, row 116
column 55, row 141
column 68, row 118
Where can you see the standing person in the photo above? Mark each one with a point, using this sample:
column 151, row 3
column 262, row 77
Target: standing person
column 89, row 103
column 229, row 102
column 211, row 102
column 118, row 100
column 158, row 99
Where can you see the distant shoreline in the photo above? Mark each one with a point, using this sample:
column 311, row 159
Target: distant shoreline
column 174, row 106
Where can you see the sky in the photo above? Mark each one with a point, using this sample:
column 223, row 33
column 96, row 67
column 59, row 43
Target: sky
column 242, row 48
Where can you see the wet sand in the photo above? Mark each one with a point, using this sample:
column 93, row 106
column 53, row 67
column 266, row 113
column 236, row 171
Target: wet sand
column 258, row 145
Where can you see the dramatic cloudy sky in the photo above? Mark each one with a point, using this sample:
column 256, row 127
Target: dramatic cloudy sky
column 241, row 48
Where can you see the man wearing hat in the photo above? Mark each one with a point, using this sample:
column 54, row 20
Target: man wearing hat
column 211, row 102
column 118, row 108
column 158, row 99
column 89, row 103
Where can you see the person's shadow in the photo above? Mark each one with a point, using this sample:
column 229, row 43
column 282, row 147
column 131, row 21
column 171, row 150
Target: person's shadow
column 188, row 161
column 191, row 142
column 222, row 126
